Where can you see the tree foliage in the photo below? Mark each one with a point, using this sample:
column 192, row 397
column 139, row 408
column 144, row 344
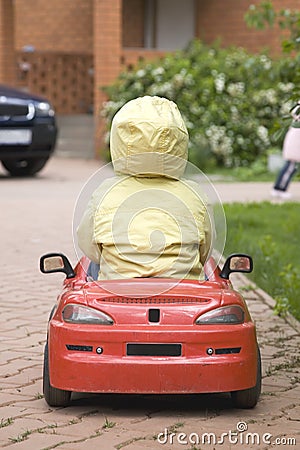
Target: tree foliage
column 264, row 15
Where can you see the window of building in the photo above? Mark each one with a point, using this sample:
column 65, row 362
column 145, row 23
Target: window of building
column 169, row 24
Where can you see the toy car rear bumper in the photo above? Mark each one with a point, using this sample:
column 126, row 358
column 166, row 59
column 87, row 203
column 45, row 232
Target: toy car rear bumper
column 76, row 366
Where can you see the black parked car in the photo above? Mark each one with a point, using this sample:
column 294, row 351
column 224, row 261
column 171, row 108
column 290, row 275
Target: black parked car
column 28, row 131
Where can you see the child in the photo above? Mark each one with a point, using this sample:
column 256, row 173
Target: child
column 147, row 221
column 291, row 155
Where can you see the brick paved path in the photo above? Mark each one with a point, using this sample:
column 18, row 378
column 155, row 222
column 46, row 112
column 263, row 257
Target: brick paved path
column 36, row 216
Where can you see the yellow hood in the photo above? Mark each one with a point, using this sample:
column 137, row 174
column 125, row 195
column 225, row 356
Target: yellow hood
column 149, row 138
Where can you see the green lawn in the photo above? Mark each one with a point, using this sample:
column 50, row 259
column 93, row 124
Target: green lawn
column 270, row 234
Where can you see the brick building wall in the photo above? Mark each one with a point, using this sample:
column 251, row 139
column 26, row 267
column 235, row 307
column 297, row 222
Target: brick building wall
column 107, row 54
column 7, row 58
column 224, row 20
column 119, row 39
column 55, row 25
column 133, row 23
column 74, row 39
column 53, row 43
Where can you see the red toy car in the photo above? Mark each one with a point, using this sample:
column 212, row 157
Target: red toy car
column 194, row 337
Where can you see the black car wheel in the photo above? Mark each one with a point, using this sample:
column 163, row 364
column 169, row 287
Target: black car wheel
column 24, row 167
column 53, row 396
column 249, row 397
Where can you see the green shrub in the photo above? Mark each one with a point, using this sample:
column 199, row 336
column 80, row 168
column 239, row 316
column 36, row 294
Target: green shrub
column 232, row 101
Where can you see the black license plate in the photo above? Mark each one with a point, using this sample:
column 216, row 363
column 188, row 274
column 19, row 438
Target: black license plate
column 153, row 349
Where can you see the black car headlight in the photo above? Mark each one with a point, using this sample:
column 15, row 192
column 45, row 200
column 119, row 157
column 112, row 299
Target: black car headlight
column 44, row 109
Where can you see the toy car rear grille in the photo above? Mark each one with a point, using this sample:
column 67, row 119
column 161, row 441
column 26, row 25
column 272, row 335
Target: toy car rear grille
column 79, row 348
column 227, row 351
column 154, row 300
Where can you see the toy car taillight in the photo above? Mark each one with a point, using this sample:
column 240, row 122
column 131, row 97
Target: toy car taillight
column 227, row 315
column 74, row 313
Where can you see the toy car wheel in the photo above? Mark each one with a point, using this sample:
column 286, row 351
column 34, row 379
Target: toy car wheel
column 53, row 396
column 249, row 397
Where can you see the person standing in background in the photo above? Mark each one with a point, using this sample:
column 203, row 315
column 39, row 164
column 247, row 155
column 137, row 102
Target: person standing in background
column 291, row 155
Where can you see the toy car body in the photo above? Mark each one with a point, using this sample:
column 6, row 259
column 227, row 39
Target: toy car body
column 195, row 337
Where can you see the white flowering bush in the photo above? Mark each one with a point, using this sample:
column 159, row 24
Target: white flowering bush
column 231, row 101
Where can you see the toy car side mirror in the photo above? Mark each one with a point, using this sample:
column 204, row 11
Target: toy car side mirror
column 56, row 262
column 238, row 262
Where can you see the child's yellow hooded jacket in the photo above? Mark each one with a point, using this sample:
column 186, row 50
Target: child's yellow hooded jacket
column 147, row 221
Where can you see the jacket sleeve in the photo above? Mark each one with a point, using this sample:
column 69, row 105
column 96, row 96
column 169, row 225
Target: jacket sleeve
column 206, row 244
column 85, row 234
